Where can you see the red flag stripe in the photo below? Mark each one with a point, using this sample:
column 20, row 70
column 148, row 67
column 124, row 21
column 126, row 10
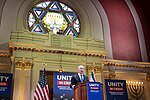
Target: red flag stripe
column 47, row 90
column 40, row 91
column 37, row 95
column 46, row 93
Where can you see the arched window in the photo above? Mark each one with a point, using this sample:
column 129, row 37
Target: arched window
column 53, row 16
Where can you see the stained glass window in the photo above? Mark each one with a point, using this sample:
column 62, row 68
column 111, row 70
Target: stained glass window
column 53, row 16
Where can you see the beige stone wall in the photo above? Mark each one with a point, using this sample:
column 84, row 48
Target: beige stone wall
column 57, row 52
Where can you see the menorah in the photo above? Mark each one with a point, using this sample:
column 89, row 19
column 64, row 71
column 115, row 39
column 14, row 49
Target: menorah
column 136, row 89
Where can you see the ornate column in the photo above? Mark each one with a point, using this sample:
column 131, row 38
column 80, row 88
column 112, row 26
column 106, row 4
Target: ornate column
column 22, row 78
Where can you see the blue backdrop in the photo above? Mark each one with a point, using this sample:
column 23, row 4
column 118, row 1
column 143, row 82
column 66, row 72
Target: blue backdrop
column 94, row 91
column 116, row 90
column 5, row 86
column 61, row 87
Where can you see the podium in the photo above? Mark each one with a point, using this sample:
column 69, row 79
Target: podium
column 88, row 91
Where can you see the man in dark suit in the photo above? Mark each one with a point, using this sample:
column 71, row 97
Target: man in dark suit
column 80, row 77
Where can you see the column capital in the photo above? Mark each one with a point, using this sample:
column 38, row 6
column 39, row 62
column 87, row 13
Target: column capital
column 95, row 68
column 23, row 65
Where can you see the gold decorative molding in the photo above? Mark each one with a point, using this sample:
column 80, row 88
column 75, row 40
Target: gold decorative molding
column 60, row 51
column 95, row 68
column 23, row 65
column 121, row 63
column 4, row 55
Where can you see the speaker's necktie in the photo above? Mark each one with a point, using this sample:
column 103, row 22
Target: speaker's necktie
column 81, row 78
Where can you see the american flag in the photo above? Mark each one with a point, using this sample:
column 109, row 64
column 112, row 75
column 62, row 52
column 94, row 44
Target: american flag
column 42, row 92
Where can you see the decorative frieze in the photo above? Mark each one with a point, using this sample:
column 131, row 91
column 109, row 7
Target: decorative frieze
column 22, row 40
column 120, row 63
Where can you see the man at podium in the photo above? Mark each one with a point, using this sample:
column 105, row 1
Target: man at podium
column 79, row 77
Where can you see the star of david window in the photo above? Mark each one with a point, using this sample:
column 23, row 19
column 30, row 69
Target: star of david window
column 55, row 17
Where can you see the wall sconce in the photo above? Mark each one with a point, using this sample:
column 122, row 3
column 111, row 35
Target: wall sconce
column 112, row 76
column 61, row 70
column 136, row 89
column 148, row 78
